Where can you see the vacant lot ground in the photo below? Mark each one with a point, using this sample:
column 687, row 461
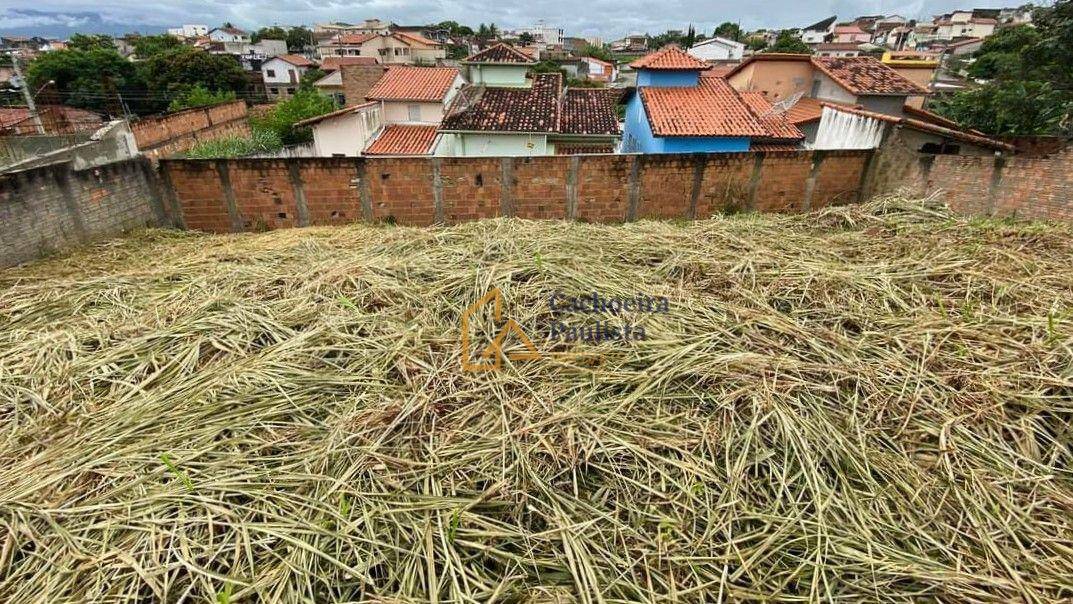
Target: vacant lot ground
column 871, row 403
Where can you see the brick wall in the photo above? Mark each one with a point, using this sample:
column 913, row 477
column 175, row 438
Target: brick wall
column 256, row 194
column 358, row 80
column 53, row 208
column 1018, row 186
column 176, row 132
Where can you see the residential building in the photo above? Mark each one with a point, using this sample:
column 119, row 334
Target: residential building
column 674, row 110
column 850, row 33
column 498, row 65
column 781, row 135
column 862, row 81
column 346, row 132
column 543, row 34
column 917, row 67
column 598, row 70
column 819, row 32
column 189, row 31
column 331, row 84
column 838, row 49
column 975, row 27
column 964, row 47
column 635, row 42
column 358, row 80
column 1016, row 16
column 282, row 75
column 844, row 127
column 416, row 95
column 540, row 119
column 394, row 48
column 228, row 34
column 250, row 55
column 401, row 140
column 718, row 49
column 922, row 36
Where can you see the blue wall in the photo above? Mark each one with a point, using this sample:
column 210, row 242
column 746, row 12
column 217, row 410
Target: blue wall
column 637, row 137
column 647, row 77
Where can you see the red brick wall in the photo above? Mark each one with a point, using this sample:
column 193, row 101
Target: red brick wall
column 176, row 132
column 404, row 190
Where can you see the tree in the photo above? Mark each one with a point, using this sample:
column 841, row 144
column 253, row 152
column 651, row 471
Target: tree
column 177, row 70
column 690, row 38
column 269, row 33
column 1030, row 79
column 756, row 44
column 90, row 42
column 597, row 52
column 309, row 77
column 148, row 46
column 730, row 31
column 525, row 38
column 199, row 96
column 88, row 76
column 787, row 42
column 285, row 114
column 298, row 38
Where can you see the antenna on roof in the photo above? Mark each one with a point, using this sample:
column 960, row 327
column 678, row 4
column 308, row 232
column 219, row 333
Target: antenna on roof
column 780, row 107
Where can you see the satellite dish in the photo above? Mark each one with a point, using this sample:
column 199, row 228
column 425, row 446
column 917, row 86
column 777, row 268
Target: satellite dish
column 780, row 107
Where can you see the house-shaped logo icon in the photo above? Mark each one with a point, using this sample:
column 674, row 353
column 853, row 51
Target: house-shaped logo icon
column 491, row 356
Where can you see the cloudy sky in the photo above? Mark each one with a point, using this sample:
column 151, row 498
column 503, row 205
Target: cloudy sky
column 607, row 18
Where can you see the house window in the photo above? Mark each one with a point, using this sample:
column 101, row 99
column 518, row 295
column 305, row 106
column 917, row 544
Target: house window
column 270, row 73
column 414, row 112
column 290, row 91
column 815, row 88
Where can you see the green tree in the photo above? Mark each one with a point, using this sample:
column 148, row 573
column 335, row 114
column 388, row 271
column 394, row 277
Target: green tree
column 177, row 70
column 597, row 52
column 690, row 37
column 756, row 44
column 285, row 114
column 269, row 33
column 525, row 39
column 91, row 77
column 90, row 42
column 730, row 31
column 148, row 46
column 199, row 96
column 298, row 38
column 309, row 77
column 787, row 42
column 1030, row 79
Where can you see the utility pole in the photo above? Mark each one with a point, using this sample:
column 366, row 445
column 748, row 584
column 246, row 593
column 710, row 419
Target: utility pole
column 26, row 94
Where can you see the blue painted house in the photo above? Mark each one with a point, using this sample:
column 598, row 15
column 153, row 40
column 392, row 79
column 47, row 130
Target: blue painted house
column 676, row 110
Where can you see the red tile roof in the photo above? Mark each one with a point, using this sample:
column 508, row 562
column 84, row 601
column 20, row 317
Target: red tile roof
column 413, row 37
column 807, row 110
column 352, row 38
column 296, row 60
column 711, row 108
column 500, row 53
column 922, row 126
column 718, row 71
column 589, row 111
column 866, row 75
column 669, row 58
column 400, row 139
column 543, row 107
column 777, row 124
column 406, row 83
column 532, row 109
column 336, row 63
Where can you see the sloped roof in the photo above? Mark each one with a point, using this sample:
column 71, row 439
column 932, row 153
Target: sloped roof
column 922, row 126
column 296, row 60
column 403, row 139
column 669, row 58
column 543, row 107
column 589, row 111
column 777, row 125
column 416, row 37
column 532, row 109
column 408, row 83
column 711, row 108
column 500, row 53
column 352, row 38
column 866, row 75
column 334, row 114
column 822, row 25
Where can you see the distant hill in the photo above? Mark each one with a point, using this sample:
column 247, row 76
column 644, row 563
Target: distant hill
column 56, row 24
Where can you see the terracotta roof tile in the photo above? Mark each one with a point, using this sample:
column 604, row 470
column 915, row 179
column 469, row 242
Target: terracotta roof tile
column 915, row 124
column 718, row 71
column 777, row 125
column 336, row 63
column 413, row 37
column 589, row 111
column 406, row 83
column 352, row 38
column 711, row 108
column 866, row 75
column 532, row 109
column 499, row 53
column 401, row 139
column 669, row 58
column 296, row 60
column 807, row 110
